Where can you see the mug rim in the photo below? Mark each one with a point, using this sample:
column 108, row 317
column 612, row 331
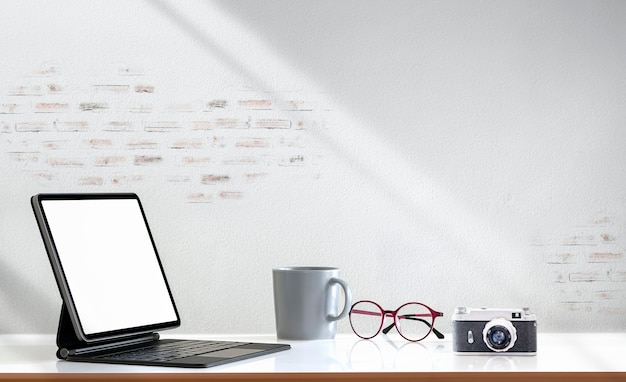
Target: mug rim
column 299, row 268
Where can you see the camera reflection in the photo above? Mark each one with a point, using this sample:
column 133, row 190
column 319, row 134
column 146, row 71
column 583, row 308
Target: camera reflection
column 494, row 363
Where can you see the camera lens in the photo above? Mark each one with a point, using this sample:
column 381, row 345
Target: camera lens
column 499, row 335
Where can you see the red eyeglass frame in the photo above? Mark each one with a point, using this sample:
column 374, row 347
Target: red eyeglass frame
column 394, row 313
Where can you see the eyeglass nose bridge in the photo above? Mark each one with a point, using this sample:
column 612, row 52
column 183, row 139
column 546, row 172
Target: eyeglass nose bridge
column 393, row 314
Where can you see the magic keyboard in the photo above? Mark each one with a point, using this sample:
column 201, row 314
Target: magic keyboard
column 170, row 350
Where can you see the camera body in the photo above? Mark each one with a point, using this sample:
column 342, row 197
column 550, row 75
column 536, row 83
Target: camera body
column 494, row 331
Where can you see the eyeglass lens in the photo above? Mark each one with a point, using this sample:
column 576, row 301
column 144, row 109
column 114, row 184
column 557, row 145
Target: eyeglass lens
column 413, row 321
column 366, row 319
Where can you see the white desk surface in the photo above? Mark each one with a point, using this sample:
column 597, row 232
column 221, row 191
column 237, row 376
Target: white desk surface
column 587, row 352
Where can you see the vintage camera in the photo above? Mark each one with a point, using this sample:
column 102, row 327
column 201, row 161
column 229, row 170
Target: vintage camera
column 489, row 331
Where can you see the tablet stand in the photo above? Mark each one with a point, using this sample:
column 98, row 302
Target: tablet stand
column 66, row 336
column 69, row 344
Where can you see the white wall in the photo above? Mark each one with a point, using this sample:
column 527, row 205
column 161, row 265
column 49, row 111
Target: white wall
column 454, row 153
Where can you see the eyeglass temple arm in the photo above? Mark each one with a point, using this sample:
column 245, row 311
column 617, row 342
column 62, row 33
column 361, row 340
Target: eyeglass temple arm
column 437, row 332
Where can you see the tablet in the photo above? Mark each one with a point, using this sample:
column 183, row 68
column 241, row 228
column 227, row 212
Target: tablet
column 106, row 264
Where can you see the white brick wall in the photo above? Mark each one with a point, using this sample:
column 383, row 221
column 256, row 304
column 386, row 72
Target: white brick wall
column 454, row 153
column 99, row 133
column 588, row 267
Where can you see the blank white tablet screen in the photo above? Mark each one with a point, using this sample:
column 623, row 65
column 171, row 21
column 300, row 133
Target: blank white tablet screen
column 109, row 263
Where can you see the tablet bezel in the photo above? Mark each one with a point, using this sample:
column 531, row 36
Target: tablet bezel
column 64, row 289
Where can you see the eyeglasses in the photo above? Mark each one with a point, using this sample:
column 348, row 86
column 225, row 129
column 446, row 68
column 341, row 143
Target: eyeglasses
column 413, row 320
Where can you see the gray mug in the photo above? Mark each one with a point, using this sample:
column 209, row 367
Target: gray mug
column 306, row 302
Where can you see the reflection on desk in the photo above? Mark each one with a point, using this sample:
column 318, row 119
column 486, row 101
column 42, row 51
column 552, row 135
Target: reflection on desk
column 601, row 352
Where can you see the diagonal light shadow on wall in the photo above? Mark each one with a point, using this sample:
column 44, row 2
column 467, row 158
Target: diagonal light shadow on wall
column 213, row 47
column 383, row 168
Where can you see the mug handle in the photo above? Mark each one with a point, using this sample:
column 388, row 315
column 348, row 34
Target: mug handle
column 347, row 293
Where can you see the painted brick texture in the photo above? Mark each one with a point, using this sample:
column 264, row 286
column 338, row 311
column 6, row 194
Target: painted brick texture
column 588, row 268
column 124, row 130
